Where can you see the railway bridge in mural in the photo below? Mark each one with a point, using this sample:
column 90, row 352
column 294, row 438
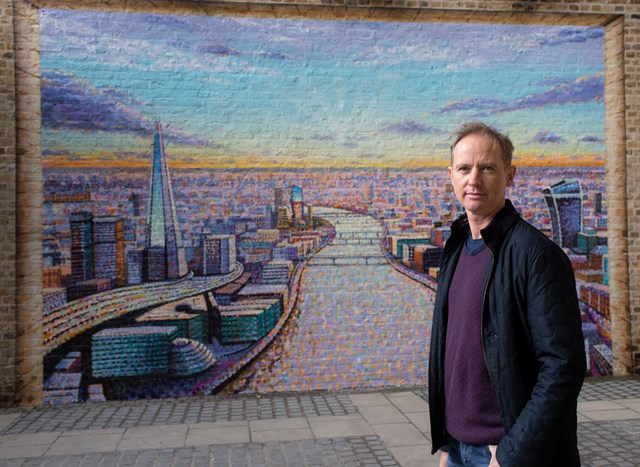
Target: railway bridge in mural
column 348, row 260
column 368, row 238
column 75, row 318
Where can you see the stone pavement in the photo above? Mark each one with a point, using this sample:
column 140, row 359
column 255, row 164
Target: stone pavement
column 351, row 428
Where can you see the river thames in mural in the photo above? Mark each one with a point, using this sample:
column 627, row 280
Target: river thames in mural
column 360, row 323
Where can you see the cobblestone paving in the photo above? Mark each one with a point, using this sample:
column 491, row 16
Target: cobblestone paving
column 610, row 444
column 174, row 411
column 602, row 389
column 234, row 408
column 602, row 444
column 605, row 389
column 347, row 452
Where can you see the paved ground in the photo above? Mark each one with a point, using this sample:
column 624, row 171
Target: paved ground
column 382, row 428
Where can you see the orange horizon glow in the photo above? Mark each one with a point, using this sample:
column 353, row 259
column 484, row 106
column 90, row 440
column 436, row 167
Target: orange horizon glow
column 55, row 162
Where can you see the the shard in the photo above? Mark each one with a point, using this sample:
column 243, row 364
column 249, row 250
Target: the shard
column 165, row 255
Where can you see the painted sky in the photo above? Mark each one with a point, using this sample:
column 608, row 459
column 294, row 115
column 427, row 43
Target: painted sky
column 247, row 92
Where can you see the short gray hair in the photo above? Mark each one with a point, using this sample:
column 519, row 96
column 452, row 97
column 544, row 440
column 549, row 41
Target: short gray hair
column 479, row 128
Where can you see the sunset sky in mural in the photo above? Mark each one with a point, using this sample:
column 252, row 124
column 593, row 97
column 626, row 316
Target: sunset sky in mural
column 242, row 92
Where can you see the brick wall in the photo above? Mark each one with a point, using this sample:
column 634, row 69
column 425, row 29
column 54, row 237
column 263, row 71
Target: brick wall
column 7, row 206
column 28, row 267
column 20, row 189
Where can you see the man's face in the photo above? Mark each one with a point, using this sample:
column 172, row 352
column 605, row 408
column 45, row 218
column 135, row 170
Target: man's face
column 479, row 176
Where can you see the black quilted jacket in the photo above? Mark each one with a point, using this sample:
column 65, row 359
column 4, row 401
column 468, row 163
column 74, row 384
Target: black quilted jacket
column 532, row 337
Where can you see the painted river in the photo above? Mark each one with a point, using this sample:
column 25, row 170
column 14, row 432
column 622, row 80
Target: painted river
column 358, row 322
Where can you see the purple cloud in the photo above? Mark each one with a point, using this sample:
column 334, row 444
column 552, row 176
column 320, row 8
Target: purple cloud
column 351, row 142
column 545, row 137
column 473, row 104
column 561, row 92
column 591, row 139
column 409, row 127
column 69, row 102
column 219, row 49
column 222, row 50
column 573, row 35
column 321, row 137
column 584, row 89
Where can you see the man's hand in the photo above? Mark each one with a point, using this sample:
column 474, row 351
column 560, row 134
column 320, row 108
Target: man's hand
column 444, row 456
column 494, row 461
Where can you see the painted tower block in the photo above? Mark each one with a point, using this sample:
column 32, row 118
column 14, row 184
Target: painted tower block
column 296, row 203
column 218, row 254
column 564, row 200
column 81, row 246
column 108, row 245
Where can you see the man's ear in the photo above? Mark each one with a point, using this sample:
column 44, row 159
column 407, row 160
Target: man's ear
column 511, row 175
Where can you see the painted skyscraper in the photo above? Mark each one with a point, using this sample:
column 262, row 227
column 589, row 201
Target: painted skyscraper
column 81, row 224
column 278, row 214
column 296, row 203
column 218, row 254
column 165, row 255
column 564, row 200
column 108, row 249
column 279, row 197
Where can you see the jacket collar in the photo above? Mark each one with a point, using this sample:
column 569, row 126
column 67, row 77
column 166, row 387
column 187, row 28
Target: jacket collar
column 494, row 232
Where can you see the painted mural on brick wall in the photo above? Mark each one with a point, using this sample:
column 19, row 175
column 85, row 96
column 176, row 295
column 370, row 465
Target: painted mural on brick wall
column 253, row 205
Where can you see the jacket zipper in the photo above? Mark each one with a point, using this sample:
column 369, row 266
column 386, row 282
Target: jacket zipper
column 484, row 298
column 484, row 352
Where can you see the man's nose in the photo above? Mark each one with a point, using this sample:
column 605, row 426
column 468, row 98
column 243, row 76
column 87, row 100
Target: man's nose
column 474, row 177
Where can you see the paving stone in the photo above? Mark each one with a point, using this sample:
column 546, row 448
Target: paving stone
column 602, row 442
column 609, row 443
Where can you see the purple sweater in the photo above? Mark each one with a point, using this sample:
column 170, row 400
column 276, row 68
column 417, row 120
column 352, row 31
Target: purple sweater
column 472, row 414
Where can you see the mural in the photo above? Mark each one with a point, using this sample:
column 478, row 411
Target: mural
column 254, row 205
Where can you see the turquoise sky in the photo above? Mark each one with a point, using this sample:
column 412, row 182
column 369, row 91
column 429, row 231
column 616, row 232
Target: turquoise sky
column 277, row 92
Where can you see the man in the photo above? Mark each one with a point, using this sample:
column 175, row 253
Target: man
column 507, row 356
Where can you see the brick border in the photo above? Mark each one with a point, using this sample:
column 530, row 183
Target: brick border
column 614, row 97
column 29, row 348
column 7, row 205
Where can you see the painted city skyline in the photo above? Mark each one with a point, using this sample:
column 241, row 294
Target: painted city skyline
column 257, row 205
column 274, row 93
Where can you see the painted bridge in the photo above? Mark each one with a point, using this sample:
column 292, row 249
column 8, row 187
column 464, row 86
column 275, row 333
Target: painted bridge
column 78, row 316
column 356, row 238
column 347, row 260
